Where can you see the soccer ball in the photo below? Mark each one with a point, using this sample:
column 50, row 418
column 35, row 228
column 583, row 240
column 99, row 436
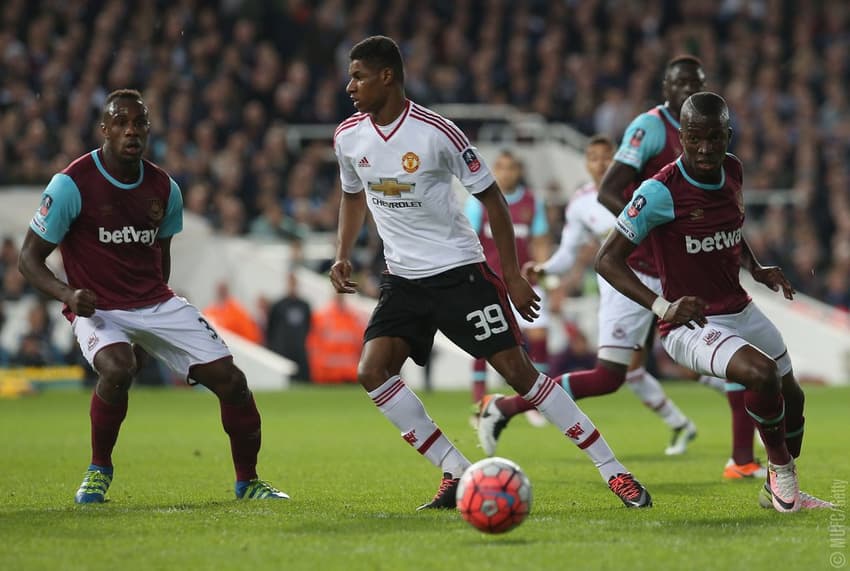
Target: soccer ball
column 494, row 495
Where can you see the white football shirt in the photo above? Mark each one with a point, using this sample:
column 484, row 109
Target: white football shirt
column 406, row 172
column 586, row 218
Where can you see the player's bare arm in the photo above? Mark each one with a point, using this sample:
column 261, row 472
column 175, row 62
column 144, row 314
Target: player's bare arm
column 31, row 264
column 611, row 265
column 352, row 214
column 521, row 292
column 617, row 178
column 165, row 247
column 771, row 276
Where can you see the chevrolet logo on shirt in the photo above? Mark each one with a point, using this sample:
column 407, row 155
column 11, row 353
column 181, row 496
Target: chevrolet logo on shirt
column 391, row 187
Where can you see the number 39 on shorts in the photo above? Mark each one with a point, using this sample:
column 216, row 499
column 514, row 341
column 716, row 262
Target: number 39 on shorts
column 488, row 321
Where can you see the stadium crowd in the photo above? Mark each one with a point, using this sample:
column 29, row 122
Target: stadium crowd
column 226, row 80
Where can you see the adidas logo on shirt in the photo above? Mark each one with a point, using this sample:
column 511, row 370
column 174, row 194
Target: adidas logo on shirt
column 363, row 163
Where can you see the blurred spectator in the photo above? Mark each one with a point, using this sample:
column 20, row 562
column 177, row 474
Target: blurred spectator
column 230, row 83
column 288, row 325
column 577, row 355
column 227, row 313
column 335, row 341
column 31, row 352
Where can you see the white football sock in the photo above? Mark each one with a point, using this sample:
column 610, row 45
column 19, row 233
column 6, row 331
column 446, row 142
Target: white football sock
column 559, row 409
column 649, row 391
column 404, row 409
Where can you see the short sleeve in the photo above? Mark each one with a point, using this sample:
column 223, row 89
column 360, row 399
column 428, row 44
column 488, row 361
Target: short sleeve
column 573, row 235
column 539, row 224
column 347, row 173
column 645, row 137
column 466, row 164
column 651, row 206
column 60, row 205
column 173, row 221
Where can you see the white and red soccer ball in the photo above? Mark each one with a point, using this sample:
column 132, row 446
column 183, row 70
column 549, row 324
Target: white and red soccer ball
column 494, row 495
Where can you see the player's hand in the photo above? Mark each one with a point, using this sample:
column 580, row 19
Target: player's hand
column 82, row 302
column 685, row 310
column 532, row 272
column 772, row 277
column 340, row 275
column 523, row 297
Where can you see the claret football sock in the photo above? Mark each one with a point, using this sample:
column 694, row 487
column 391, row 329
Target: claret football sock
column 513, row 405
column 106, row 421
column 768, row 411
column 743, row 429
column 598, row 381
column 242, row 422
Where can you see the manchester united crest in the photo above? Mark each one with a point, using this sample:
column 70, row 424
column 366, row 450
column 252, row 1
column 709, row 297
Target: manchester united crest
column 155, row 210
column 410, row 162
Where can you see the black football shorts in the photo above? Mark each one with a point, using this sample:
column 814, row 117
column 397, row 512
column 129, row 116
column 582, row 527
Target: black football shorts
column 469, row 304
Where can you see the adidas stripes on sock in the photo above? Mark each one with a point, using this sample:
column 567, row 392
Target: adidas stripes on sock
column 559, row 409
column 403, row 408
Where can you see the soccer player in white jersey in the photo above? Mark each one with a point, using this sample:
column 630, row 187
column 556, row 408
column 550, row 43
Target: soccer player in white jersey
column 692, row 213
column 586, row 220
column 397, row 160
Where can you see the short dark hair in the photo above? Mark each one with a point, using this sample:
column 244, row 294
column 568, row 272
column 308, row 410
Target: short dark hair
column 121, row 94
column 379, row 52
column 682, row 59
column 600, row 139
column 706, row 104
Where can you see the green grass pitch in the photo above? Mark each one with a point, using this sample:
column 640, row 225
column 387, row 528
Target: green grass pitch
column 355, row 485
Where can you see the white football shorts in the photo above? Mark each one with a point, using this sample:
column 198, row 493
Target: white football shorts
column 708, row 350
column 173, row 331
column 623, row 323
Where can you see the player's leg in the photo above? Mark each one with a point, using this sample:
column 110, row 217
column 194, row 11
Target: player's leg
column 742, row 464
column 379, row 370
column 402, row 326
column 720, row 349
column 760, row 331
column 177, row 334
column 607, row 376
column 559, row 409
column 107, row 348
column 646, row 387
column 242, row 423
column 623, row 325
column 478, row 318
column 536, row 340
column 764, row 402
